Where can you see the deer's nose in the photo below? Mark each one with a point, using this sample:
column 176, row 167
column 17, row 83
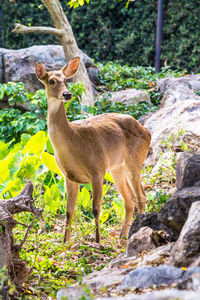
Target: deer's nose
column 67, row 95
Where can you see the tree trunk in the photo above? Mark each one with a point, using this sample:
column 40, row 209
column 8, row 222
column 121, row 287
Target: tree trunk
column 17, row 269
column 65, row 34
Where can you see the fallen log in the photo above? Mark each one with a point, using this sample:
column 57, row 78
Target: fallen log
column 17, row 270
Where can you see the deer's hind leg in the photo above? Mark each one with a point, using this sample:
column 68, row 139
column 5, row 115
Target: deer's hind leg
column 121, row 181
column 134, row 176
column 72, row 194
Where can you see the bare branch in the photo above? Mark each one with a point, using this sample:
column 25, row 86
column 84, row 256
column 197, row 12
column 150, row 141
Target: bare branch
column 19, row 28
column 18, row 247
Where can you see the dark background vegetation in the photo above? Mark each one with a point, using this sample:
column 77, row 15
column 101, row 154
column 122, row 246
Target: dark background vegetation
column 106, row 30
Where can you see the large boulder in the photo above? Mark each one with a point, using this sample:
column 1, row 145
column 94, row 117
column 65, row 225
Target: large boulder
column 150, row 220
column 188, row 170
column 130, row 96
column 180, row 110
column 175, row 212
column 19, row 65
column 187, row 248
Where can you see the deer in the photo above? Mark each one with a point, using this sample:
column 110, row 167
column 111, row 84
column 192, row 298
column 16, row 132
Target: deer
column 86, row 149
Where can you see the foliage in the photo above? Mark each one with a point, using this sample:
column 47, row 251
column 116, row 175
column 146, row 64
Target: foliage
column 161, row 178
column 116, row 77
column 115, row 32
column 77, row 3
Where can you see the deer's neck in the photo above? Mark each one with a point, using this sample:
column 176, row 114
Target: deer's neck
column 58, row 126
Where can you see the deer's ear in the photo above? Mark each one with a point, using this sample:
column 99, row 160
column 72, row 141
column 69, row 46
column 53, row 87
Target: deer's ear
column 70, row 69
column 40, row 71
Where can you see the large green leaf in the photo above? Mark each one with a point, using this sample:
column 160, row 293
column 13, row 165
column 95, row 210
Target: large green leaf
column 52, row 197
column 11, row 188
column 28, row 167
column 14, row 164
column 4, row 167
column 84, row 198
column 49, row 161
column 36, row 143
column 3, row 150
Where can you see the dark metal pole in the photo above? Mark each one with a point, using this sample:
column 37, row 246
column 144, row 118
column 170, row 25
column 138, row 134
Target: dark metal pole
column 159, row 33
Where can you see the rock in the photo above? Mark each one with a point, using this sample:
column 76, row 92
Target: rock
column 150, row 220
column 106, row 277
column 145, row 239
column 195, row 85
column 171, row 83
column 175, row 212
column 188, row 170
column 140, row 241
column 159, row 295
column 157, row 256
column 130, row 96
column 187, row 247
column 180, row 110
column 190, row 283
column 73, row 293
column 150, row 276
column 19, row 65
column 173, row 119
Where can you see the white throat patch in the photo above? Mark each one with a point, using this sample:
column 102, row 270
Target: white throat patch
column 54, row 105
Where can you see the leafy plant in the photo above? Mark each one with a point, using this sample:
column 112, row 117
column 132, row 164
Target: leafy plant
column 162, row 177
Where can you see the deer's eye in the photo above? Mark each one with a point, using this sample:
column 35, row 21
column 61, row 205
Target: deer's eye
column 66, row 81
column 51, row 81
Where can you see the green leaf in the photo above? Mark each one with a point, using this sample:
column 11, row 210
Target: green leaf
column 4, row 170
column 3, row 150
column 49, row 161
column 84, row 198
column 108, row 177
column 14, row 164
column 28, row 167
column 104, row 217
column 52, row 197
column 36, row 143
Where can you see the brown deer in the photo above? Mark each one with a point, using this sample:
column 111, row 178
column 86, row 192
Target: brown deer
column 86, row 149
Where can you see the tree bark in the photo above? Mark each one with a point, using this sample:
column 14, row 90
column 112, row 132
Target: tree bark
column 17, row 269
column 65, row 34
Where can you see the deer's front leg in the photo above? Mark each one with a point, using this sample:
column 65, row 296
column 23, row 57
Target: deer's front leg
column 97, row 187
column 72, row 193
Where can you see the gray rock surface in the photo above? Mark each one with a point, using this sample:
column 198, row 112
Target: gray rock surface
column 161, row 275
column 175, row 212
column 180, row 109
column 161, row 295
column 72, row 293
column 140, row 241
column 150, row 276
column 188, row 170
column 146, row 239
column 187, row 247
column 130, row 96
column 150, row 220
column 189, row 81
column 19, row 65
column 190, row 283
column 158, row 256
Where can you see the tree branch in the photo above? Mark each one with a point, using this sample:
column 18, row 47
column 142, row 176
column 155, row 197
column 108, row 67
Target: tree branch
column 19, row 28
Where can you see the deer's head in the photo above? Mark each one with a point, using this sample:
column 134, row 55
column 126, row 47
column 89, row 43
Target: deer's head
column 56, row 81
